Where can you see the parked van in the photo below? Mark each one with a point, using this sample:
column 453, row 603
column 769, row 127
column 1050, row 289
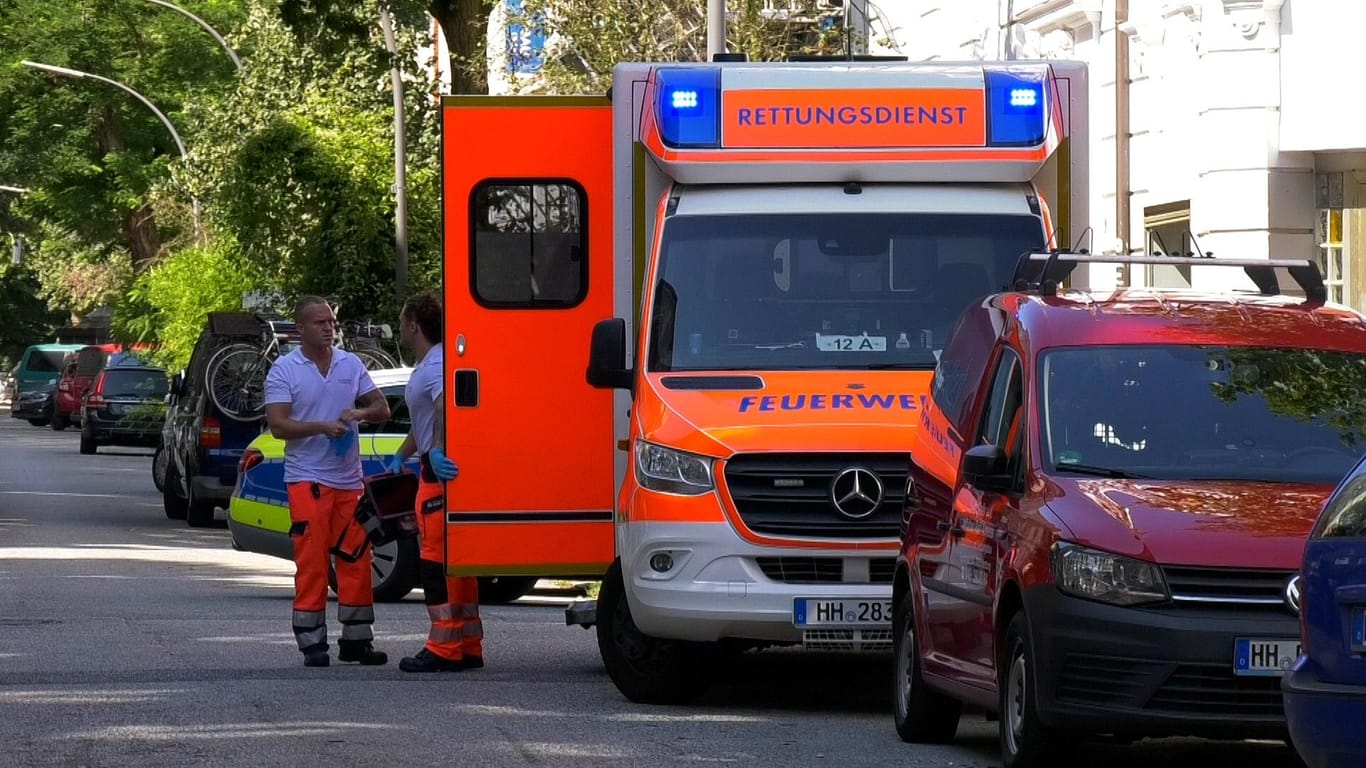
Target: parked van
column 77, row 375
column 38, row 371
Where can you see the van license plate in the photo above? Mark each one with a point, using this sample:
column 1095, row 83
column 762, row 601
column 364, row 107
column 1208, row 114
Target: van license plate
column 848, row 612
column 1264, row 656
column 1359, row 630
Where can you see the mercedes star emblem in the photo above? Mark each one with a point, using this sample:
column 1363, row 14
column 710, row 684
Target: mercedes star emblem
column 1292, row 594
column 857, row 492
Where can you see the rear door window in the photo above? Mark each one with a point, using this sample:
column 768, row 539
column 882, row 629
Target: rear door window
column 134, row 383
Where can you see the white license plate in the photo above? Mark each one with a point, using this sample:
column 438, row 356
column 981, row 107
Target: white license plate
column 864, row 343
column 1264, row 656
column 841, row 612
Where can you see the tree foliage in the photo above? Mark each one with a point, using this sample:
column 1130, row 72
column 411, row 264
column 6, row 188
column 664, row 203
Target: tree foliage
column 588, row 37
column 169, row 303
column 24, row 316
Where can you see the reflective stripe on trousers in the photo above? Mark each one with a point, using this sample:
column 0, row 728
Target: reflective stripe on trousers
column 452, row 602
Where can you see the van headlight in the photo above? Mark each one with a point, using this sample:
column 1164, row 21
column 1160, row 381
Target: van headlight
column 1106, row 577
column 665, row 469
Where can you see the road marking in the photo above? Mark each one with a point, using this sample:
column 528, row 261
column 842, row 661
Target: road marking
column 63, row 493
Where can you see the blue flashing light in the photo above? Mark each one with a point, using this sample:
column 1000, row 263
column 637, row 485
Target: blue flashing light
column 688, row 105
column 1017, row 108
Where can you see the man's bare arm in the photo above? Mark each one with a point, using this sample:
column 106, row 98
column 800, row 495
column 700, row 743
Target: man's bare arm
column 373, row 408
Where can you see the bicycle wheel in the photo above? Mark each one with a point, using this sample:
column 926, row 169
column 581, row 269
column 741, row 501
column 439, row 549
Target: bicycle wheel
column 237, row 381
column 375, row 358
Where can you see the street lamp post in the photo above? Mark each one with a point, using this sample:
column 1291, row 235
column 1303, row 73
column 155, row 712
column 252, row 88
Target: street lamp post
column 386, row 24
column 17, row 253
column 236, row 62
column 184, row 155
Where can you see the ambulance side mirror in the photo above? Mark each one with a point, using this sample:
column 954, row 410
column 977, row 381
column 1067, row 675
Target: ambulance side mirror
column 607, row 356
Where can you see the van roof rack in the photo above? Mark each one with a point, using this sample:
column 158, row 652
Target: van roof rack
column 1042, row 272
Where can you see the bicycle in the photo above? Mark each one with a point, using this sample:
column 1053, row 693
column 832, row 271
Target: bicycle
column 236, row 375
column 365, row 340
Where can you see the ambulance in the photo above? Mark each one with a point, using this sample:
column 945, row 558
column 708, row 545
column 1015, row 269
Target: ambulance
column 691, row 327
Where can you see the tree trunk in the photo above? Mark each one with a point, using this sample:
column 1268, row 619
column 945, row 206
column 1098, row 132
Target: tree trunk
column 464, row 23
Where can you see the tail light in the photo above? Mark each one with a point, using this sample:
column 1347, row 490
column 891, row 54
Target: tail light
column 210, row 433
column 250, row 458
column 96, row 397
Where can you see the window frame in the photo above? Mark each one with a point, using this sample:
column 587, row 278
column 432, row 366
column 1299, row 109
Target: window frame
column 473, row 252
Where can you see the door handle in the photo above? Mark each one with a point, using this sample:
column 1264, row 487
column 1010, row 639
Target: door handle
column 466, row 388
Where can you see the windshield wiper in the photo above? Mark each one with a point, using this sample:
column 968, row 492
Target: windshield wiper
column 1095, row 471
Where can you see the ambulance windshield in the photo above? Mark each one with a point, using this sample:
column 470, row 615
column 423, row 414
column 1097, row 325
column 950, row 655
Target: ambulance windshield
column 824, row 291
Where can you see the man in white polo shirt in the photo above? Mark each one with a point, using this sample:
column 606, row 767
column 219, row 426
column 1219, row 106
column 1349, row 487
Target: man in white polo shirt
column 315, row 396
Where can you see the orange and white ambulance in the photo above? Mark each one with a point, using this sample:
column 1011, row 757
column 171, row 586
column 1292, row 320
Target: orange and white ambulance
column 757, row 266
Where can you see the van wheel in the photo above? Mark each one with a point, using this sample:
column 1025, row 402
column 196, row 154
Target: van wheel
column 88, row 444
column 922, row 716
column 175, row 506
column 59, row 421
column 160, row 461
column 647, row 670
column 1025, row 742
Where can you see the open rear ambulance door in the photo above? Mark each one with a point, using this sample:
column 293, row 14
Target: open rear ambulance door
column 527, row 271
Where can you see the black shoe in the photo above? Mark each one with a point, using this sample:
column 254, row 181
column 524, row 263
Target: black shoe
column 362, row 652
column 472, row 662
column 426, row 661
column 316, row 659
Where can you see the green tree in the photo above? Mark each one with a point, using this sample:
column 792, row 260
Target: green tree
column 588, row 37
column 89, row 151
column 24, row 316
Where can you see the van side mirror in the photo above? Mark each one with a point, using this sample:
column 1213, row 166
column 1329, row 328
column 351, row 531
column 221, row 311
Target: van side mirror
column 987, row 468
column 607, row 356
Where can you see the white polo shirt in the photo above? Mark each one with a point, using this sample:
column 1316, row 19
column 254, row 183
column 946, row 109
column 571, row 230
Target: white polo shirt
column 296, row 380
column 423, row 395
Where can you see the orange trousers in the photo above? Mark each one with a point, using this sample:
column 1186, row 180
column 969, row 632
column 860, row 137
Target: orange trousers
column 452, row 601
column 323, row 523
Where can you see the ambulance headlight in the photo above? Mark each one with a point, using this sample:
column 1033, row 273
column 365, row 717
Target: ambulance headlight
column 1017, row 106
column 688, row 106
column 670, row 471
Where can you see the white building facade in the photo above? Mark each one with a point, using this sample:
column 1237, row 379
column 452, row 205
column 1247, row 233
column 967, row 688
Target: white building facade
column 1227, row 119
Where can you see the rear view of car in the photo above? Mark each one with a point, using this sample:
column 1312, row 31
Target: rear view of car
column 125, row 406
column 1325, row 692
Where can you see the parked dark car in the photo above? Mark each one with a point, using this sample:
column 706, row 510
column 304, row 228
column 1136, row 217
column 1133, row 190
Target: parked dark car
column 202, row 444
column 78, row 375
column 125, row 406
column 1325, row 692
column 34, row 405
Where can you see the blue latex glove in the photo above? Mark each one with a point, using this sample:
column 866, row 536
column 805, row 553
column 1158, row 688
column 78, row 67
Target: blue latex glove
column 395, row 464
column 442, row 467
column 342, row 445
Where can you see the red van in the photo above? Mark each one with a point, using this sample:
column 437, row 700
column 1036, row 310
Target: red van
column 78, row 374
column 1108, row 504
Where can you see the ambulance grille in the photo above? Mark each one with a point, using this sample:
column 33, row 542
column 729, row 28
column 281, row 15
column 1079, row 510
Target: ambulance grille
column 789, row 494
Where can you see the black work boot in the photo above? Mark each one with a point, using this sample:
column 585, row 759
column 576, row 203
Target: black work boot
column 361, row 651
column 426, row 661
column 316, row 655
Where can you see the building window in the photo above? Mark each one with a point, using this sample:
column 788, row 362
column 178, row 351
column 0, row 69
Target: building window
column 1332, row 253
column 529, row 244
column 1167, row 230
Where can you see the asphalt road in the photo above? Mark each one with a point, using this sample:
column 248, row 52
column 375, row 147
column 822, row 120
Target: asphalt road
column 127, row 639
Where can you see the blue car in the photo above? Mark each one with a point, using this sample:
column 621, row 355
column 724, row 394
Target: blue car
column 1325, row 692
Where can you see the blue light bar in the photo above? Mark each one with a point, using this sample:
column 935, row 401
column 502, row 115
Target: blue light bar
column 688, row 105
column 1017, row 107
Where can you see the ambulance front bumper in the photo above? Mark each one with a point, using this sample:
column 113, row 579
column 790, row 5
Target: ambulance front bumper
column 714, row 585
